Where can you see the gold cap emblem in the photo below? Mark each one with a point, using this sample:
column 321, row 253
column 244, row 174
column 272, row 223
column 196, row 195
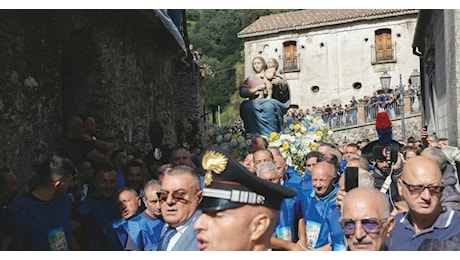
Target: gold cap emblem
column 213, row 162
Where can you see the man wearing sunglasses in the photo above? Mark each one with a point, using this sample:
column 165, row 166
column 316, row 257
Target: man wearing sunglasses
column 421, row 187
column 179, row 197
column 366, row 220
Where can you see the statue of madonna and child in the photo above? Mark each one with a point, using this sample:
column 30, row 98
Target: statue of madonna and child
column 268, row 98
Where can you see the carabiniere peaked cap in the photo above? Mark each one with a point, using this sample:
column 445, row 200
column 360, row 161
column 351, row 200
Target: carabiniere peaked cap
column 228, row 184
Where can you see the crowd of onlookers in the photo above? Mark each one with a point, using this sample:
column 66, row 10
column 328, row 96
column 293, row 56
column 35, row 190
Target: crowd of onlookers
column 338, row 115
column 352, row 196
column 391, row 189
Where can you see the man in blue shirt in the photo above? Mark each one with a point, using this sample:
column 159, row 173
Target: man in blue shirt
column 421, row 187
column 41, row 220
column 286, row 233
column 312, row 158
column 288, row 174
column 324, row 192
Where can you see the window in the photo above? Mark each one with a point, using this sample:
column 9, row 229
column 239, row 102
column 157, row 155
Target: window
column 384, row 47
column 357, row 85
column 315, row 89
column 290, row 59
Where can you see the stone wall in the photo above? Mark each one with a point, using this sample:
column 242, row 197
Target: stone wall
column 120, row 66
column 412, row 125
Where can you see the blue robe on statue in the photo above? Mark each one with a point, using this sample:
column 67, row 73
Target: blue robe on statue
column 264, row 116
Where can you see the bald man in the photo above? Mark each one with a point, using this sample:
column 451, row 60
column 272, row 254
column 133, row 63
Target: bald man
column 324, row 192
column 371, row 209
column 421, row 187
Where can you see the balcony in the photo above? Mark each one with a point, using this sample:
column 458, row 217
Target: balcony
column 291, row 64
column 383, row 54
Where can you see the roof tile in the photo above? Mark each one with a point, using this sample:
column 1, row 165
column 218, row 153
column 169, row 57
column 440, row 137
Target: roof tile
column 312, row 18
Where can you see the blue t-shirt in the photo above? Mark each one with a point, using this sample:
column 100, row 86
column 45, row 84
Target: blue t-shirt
column 37, row 225
column 289, row 214
column 293, row 176
column 327, row 209
column 144, row 231
column 316, row 227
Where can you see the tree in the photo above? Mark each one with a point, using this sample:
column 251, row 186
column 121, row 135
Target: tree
column 213, row 33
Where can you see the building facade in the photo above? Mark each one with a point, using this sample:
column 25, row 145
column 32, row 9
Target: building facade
column 436, row 43
column 327, row 56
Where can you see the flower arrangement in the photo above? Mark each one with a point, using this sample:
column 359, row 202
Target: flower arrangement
column 294, row 142
column 297, row 140
column 233, row 140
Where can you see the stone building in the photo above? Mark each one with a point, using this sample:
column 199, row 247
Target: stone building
column 329, row 55
column 436, row 42
column 124, row 67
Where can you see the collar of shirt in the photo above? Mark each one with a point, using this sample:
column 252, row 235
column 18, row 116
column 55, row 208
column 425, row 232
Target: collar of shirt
column 331, row 194
column 442, row 221
column 180, row 230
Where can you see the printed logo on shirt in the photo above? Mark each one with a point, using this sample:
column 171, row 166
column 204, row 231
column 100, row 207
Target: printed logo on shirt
column 57, row 239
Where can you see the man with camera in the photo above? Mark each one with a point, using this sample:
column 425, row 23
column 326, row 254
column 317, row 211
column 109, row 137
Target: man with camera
column 387, row 163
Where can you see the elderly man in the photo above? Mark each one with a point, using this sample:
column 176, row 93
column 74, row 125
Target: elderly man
column 421, row 187
column 181, row 156
column 324, row 192
column 179, row 197
column 288, row 174
column 240, row 210
column 450, row 194
column 286, row 234
column 261, row 156
column 371, row 209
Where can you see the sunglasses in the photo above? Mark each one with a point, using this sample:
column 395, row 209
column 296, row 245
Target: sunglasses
column 370, row 225
column 178, row 196
column 433, row 189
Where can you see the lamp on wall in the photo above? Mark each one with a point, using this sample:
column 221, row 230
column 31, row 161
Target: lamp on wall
column 385, row 80
column 415, row 79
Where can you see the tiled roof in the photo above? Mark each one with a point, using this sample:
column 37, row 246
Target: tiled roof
column 311, row 18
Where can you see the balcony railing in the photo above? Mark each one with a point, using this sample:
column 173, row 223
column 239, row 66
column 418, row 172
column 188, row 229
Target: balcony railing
column 364, row 114
column 383, row 55
column 291, row 64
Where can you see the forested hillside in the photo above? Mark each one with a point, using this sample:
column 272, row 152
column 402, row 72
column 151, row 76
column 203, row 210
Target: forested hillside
column 213, row 34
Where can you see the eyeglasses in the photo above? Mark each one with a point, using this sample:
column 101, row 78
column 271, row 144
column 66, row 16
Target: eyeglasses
column 310, row 165
column 178, row 195
column 370, row 225
column 434, row 189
